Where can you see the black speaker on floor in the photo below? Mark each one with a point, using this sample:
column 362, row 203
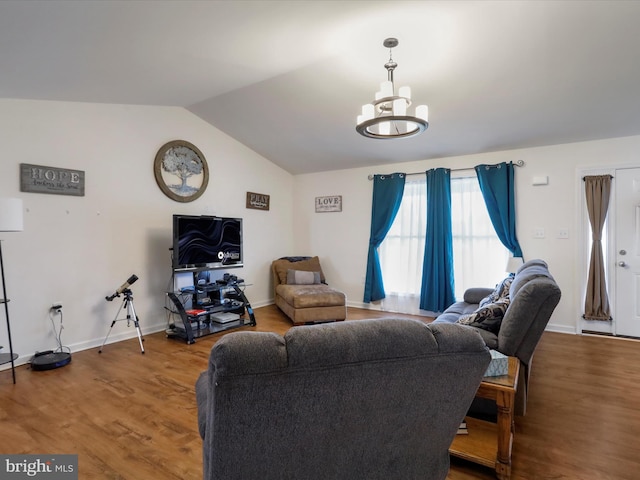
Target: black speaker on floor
column 50, row 360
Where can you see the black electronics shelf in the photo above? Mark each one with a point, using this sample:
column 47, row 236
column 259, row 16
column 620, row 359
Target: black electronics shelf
column 211, row 305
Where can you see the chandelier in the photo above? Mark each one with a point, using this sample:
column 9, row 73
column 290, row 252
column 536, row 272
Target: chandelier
column 387, row 116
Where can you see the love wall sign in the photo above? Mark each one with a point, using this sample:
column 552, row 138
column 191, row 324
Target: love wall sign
column 331, row 203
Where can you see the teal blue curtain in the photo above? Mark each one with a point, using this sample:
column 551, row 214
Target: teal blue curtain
column 497, row 184
column 437, row 291
column 387, row 196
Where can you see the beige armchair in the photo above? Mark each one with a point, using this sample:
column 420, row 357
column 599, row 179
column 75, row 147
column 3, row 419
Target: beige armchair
column 301, row 292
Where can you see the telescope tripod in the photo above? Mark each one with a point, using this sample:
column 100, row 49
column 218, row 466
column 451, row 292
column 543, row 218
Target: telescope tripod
column 127, row 305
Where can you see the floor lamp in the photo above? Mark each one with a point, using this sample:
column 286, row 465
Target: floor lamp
column 10, row 221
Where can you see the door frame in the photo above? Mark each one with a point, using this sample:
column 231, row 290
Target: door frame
column 582, row 266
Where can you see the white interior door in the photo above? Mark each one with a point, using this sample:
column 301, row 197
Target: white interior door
column 627, row 252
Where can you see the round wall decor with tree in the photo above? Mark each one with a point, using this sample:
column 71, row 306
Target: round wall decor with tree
column 181, row 171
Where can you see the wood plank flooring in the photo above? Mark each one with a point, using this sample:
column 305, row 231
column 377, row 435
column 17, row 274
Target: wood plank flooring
column 133, row 416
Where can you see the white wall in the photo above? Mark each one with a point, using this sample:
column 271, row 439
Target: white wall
column 77, row 250
column 341, row 239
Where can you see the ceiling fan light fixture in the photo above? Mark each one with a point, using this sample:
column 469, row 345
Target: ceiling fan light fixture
column 388, row 116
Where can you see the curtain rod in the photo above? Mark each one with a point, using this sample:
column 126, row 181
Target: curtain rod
column 584, row 179
column 517, row 163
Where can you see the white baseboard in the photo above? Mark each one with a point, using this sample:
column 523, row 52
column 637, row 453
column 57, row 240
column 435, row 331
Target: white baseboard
column 96, row 342
column 127, row 334
column 365, row 306
column 263, row 303
column 551, row 327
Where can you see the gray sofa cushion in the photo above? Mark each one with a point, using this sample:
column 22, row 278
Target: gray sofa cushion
column 301, row 277
column 453, row 313
column 374, row 399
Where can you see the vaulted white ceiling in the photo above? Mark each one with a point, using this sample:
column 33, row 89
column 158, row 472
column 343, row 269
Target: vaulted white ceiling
column 287, row 78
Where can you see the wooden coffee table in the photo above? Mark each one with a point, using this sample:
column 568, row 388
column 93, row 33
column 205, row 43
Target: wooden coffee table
column 487, row 443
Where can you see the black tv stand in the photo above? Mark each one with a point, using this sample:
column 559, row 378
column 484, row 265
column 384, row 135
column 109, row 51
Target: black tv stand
column 211, row 304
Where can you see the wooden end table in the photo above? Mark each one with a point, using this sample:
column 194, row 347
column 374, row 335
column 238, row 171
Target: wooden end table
column 488, row 443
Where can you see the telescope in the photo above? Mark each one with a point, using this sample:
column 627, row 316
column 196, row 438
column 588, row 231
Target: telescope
column 130, row 281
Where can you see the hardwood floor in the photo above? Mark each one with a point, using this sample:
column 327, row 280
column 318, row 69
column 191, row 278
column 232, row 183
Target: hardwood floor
column 133, row 416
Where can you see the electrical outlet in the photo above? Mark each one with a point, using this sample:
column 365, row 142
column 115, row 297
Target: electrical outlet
column 538, row 233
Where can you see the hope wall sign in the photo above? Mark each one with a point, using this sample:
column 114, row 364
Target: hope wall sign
column 59, row 181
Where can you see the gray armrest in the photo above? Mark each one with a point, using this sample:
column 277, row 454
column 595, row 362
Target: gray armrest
column 202, row 401
column 474, row 295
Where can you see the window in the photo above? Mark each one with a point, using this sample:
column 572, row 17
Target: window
column 479, row 256
column 402, row 250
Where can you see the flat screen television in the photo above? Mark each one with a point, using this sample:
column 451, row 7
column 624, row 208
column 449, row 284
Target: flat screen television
column 206, row 242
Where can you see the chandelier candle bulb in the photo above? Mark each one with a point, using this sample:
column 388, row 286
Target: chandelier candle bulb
column 400, row 107
column 387, row 89
column 368, row 111
column 405, row 92
column 422, row 111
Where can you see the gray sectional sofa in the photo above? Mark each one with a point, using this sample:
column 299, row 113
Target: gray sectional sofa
column 532, row 296
column 363, row 399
